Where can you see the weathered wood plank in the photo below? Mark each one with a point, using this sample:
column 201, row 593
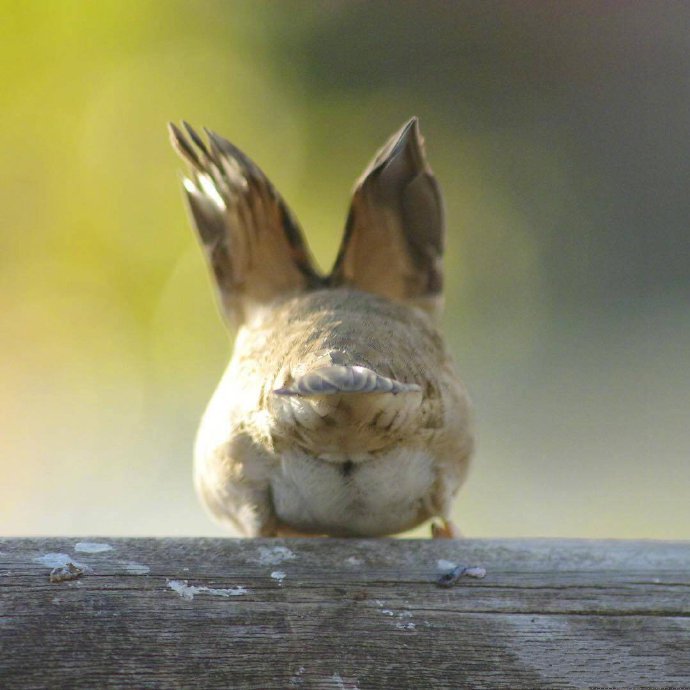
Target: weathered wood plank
column 327, row 613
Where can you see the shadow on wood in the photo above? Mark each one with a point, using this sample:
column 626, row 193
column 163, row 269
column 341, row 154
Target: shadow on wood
column 332, row 613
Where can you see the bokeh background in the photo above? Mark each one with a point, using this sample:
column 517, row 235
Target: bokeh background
column 561, row 135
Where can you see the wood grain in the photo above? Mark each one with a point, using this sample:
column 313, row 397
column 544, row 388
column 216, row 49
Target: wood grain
column 332, row 613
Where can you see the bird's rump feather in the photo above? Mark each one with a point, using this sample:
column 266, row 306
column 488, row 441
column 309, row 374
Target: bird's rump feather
column 333, row 379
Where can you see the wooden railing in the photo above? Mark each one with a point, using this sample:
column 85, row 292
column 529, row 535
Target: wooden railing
column 334, row 613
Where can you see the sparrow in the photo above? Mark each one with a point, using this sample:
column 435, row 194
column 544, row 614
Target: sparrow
column 341, row 412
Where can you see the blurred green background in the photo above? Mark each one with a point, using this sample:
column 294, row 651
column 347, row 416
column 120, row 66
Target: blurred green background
column 560, row 133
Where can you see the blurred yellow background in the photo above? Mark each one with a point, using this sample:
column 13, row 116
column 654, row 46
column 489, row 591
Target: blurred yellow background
column 559, row 133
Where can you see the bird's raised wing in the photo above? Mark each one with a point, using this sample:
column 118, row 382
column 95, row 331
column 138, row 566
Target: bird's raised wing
column 253, row 243
column 394, row 237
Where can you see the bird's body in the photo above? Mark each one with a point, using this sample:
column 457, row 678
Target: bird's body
column 350, row 463
column 340, row 412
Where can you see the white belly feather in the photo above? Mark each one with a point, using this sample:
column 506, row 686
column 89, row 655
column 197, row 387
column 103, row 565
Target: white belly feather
column 382, row 495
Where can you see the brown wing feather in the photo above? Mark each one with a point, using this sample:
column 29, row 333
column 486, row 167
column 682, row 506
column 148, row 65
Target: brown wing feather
column 394, row 237
column 253, row 243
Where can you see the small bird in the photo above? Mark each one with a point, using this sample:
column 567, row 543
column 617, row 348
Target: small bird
column 341, row 412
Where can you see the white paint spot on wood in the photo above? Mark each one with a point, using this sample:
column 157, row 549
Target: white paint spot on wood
column 475, row 571
column 353, row 561
column 442, row 564
column 274, row 555
column 137, row 568
column 188, row 592
column 92, row 547
column 58, row 560
column 402, row 622
column 337, row 682
column 296, row 680
column 278, row 575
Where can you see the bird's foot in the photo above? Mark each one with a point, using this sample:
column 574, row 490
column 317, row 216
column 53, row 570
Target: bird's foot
column 445, row 530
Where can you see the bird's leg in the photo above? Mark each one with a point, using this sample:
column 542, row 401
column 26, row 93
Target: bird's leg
column 446, row 529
